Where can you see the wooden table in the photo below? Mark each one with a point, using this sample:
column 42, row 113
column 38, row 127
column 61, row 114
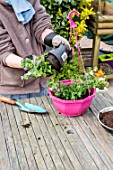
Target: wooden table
column 52, row 141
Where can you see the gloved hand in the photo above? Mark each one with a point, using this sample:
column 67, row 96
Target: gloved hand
column 54, row 40
column 31, row 57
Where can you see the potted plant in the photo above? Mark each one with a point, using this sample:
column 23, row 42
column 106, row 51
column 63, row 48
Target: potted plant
column 73, row 88
column 72, row 97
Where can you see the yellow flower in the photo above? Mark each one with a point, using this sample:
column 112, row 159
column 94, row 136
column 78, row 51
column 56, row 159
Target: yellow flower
column 99, row 73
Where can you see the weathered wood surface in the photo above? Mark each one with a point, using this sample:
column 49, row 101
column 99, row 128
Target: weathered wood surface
column 103, row 7
column 51, row 141
column 102, row 18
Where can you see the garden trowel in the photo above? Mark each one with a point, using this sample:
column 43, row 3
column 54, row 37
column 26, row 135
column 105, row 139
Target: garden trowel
column 27, row 107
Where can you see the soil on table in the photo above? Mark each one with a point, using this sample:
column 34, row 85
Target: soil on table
column 107, row 118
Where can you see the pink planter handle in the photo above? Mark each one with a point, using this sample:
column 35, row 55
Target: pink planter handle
column 72, row 23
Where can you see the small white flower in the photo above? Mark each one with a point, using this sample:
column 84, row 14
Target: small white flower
column 95, row 69
column 25, row 69
column 22, row 78
column 101, row 78
column 105, row 88
column 38, row 61
column 91, row 73
column 28, row 73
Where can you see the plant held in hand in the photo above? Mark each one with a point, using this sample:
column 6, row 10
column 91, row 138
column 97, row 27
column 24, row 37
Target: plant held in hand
column 38, row 67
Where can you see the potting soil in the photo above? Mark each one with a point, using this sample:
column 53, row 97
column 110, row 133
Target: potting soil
column 107, row 118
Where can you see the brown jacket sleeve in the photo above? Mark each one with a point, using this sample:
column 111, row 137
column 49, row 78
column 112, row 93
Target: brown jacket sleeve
column 41, row 20
column 6, row 46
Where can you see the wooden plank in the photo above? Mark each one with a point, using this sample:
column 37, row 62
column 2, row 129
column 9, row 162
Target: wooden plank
column 72, row 124
column 93, row 139
column 102, row 100
column 98, row 5
column 101, row 18
column 108, row 97
column 9, row 139
column 106, row 101
column 92, row 145
column 46, row 143
column 57, row 147
column 108, row 9
column 96, row 46
column 33, row 143
column 100, row 138
column 98, row 25
column 63, row 147
column 87, row 56
column 105, row 25
column 103, row 7
column 41, row 138
column 17, row 138
column 104, row 31
column 107, row 136
column 30, row 160
column 50, row 144
column 95, row 142
column 4, row 156
column 106, row 147
column 109, row 76
column 75, row 141
column 100, row 31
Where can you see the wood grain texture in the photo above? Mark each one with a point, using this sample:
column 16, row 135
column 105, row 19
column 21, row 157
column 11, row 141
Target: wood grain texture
column 52, row 141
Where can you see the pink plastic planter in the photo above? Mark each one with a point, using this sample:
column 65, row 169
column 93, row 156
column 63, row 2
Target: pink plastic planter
column 72, row 107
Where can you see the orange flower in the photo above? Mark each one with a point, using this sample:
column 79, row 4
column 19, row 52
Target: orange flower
column 99, row 73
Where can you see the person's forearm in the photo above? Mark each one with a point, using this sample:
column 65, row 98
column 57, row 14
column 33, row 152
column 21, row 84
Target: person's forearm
column 45, row 33
column 13, row 61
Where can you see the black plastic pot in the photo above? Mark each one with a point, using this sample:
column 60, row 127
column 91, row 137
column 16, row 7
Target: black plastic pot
column 58, row 56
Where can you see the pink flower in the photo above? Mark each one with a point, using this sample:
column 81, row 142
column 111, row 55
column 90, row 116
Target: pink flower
column 58, row 90
column 22, row 78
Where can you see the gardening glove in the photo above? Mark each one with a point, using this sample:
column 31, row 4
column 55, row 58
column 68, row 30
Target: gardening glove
column 54, row 40
column 31, row 57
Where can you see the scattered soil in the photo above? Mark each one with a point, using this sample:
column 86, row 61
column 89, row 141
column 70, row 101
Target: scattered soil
column 107, row 118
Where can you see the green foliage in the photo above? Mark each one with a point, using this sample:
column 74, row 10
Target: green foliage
column 59, row 9
column 70, row 70
column 80, row 87
column 38, row 67
column 67, row 92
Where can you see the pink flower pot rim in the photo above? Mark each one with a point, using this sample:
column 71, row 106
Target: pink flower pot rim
column 72, row 101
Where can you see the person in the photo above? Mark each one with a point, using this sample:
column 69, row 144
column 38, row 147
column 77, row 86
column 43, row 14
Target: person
column 25, row 28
